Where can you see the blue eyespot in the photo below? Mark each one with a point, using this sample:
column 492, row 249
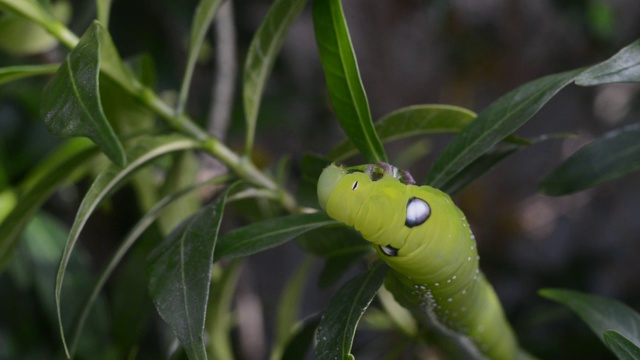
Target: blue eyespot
column 418, row 211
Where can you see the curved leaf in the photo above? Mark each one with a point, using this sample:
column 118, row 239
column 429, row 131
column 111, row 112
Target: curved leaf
column 289, row 307
column 111, row 64
column 311, row 166
column 220, row 320
column 71, row 101
column 147, row 149
column 333, row 241
column 612, row 156
column 343, row 78
column 600, row 313
column 267, row 234
column 12, row 73
column 301, row 340
column 478, row 168
column 624, row 66
column 261, row 55
column 204, row 14
column 340, row 245
column 52, row 171
column 31, row 10
column 410, row 121
column 621, row 346
column 514, row 109
column 339, row 321
column 20, row 32
column 134, row 234
column 180, row 274
column 494, row 124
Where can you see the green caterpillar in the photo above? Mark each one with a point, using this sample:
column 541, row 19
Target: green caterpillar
column 426, row 240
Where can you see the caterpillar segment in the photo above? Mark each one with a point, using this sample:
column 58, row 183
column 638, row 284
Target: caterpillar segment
column 426, row 241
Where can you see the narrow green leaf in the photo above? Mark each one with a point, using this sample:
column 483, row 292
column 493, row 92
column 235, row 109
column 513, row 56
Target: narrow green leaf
column 54, row 170
column 267, row 234
column 338, row 266
column 624, row 66
column 289, row 307
column 338, row 324
column 220, row 320
column 130, row 118
column 111, row 63
column 21, row 36
column 71, row 101
column 31, row 10
column 180, row 274
column 111, row 177
column 8, row 201
column 609, row 157
column 490, row 159
column 4, row 178
column 134, row 234
column 494, row 124
column 410, row 121
column 203, row 16
column 311, row 166
column 130, row 309
column 103, row 10
column 343, row 78
column 183, row 171
column 412, row 153
column 340, row 245
column 514, row 109
column 478, row 168
column 261, row 55
column 622, row 347
column 334, row 240
column 40, row 249
column 12, row 73
column 600, row 313
column 300, row 342
column 399, row 317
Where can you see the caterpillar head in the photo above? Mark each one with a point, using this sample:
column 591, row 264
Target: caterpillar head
column 327, row 182
column 396, row 217
column 339, row 192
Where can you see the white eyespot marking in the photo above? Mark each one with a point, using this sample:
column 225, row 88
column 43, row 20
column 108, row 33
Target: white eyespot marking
column 389, row 250
column 418, row 211
column 354, row 186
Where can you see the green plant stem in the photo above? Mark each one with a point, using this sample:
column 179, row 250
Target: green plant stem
column 242, row 166
column 245, row 169
column 32, row 11
column 180, row 122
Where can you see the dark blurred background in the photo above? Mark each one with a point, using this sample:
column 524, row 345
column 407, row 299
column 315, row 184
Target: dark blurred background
column 463, row 52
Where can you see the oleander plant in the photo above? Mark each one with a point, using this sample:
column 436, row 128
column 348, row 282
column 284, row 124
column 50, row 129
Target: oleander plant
column 210, row 180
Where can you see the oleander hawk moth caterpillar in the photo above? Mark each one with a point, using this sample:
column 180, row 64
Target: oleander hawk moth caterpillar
column 426, row 241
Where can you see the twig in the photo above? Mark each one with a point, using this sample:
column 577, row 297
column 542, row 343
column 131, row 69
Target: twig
column 226, row 70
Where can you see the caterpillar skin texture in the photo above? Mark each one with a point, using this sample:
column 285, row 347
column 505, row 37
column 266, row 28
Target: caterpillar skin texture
column 426, row 240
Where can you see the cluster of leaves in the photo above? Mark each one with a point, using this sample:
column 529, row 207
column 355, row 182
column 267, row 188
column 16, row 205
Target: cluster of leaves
column 181, row 269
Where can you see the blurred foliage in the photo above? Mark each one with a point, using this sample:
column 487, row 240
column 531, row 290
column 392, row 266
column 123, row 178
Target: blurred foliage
column 409, row 53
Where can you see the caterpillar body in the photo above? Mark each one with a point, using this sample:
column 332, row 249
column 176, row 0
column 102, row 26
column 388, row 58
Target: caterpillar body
column 426, row 241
